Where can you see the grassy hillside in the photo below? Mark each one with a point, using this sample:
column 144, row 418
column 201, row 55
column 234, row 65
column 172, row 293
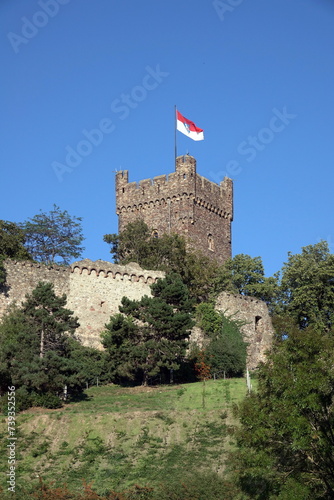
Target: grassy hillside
column 119, row 437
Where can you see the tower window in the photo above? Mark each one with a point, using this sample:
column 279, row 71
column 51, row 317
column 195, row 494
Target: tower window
column 258, row 323
column 184, row 176
column 155, row 234
column 211, row 243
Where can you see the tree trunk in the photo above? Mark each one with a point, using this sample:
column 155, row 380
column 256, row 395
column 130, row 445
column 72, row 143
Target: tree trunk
column 41, row 347
column 145, row 379
column 203, row 394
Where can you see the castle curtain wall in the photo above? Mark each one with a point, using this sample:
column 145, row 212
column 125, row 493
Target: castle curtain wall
column 95, row 289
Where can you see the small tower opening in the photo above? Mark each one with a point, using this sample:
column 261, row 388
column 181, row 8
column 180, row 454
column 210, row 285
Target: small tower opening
column 211, row 243
column 258, row 323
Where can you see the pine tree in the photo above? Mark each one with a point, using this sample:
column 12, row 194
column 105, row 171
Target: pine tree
column 151, row 334
column 46, row 313
column 35, row 352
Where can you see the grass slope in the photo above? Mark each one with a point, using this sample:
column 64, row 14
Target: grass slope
column 119, row 437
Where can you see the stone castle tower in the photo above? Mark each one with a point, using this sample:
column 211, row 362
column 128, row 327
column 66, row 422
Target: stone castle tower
column 183, row 202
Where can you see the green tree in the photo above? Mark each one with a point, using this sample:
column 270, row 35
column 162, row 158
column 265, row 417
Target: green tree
column 203, row 372
column 12, row 240
column 151, row 334
column 308, row 286
column 245, row 276
column 204, row 277
column 136, row 244
column 91, row 363
column 35, row 353
column 53, row 237
column 48, row 317
column 226, row 350
column 131, row 244
column 286, row 440
column 122, row 341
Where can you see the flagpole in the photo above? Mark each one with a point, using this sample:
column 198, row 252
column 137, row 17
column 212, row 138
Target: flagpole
column 175, row 148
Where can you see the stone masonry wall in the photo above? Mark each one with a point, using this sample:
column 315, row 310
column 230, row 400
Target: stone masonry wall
column 257, row 330
column 23, row 277
column 183, row 202
column 94, row 291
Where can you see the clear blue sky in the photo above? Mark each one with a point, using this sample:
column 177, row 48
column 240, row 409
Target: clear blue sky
column 257, row 76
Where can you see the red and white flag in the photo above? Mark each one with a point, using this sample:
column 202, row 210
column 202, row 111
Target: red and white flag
column 189, row 128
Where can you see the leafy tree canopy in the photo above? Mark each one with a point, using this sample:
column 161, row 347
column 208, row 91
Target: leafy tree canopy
column 308, row 286
column 135, row 244
column 12, row 240
column 304, row 288
column 245, row 276
column 53, row 237
column 226, row 350
column 130, row 244
column 286, row 442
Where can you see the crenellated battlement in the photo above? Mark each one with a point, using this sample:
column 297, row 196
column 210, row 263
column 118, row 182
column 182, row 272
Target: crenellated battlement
column 169, row 186
column 148, row 189
column 23, row 270
column 24, row 264
column 103, row 269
